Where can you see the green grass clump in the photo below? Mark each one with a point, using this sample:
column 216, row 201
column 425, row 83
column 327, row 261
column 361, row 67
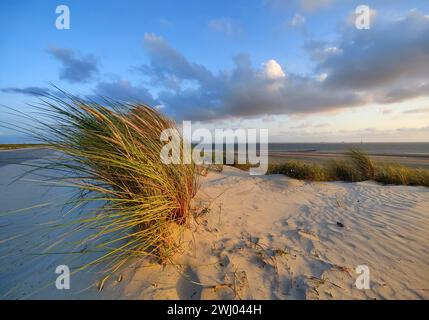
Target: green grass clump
column 343, row 170
column 400, row 175
column 362, row 164
column 357, row 166
column 112, row 155
column 300, row 170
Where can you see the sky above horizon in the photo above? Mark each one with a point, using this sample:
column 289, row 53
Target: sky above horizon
column 299, row 68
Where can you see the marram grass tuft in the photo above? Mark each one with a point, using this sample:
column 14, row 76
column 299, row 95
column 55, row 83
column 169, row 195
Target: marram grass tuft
column 111, row 153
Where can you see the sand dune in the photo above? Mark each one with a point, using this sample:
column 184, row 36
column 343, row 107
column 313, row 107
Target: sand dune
column 267, row 237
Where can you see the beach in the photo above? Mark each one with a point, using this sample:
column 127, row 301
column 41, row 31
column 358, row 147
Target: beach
column 409, row 160
column 252, row 237
column 414, row 155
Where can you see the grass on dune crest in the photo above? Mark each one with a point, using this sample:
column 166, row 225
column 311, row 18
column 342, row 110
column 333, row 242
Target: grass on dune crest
column 360, row 168
column 112, row 155
column 362, row 164
column 300, row 170
column 343, row 170
column 356, row 166
column 397, row 174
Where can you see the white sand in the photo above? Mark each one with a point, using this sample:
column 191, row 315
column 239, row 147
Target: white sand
column 268, row 237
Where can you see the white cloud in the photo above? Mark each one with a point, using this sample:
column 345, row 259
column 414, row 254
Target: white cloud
column 273, row 70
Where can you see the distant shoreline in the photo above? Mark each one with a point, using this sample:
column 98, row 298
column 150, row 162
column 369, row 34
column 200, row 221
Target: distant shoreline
column 409, row 160
column 17, row 146
column 333, row 153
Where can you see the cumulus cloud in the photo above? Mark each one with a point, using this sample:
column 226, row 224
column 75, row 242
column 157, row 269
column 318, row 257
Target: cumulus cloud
column 385, row 64
column 273, row 70
column 225, row 25
column 381, row 57
column 191, row 91
column 167, row 66
column 125, row 91
column 74, row 68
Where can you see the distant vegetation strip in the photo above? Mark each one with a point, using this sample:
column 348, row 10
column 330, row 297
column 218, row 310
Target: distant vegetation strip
column 356, row 166
column 11, row 146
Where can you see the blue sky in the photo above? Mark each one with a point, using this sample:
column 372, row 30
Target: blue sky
column 298, row 68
